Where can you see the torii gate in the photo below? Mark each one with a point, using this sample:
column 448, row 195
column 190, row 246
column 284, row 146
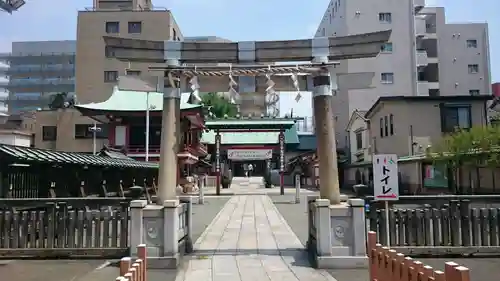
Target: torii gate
column 171, row 57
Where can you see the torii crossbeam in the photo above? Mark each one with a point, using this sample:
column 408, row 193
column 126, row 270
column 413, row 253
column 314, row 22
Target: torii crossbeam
column 323, row 50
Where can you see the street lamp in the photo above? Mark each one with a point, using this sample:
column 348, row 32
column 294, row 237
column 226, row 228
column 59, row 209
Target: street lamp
column 94, row 129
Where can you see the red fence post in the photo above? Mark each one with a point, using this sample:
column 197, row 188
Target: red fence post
column 449, row 271
column 125, row 264
column 462, row 273
column 142, row 254
column 372, row 254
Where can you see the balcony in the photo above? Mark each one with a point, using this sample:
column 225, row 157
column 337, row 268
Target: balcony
column 9, row 56
column 47, row 81
column 422, row 88
column 14, row 69
column 420, row 26
column 418, row 5
column 422, row 59
column 4, row 69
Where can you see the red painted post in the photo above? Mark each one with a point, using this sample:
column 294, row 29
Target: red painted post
column 372, row 254
column 125, row 264
column 142, row 254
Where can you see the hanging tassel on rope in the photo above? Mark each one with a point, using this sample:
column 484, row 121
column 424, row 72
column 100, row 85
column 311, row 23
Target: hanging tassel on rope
column 233, row 94
column 296, row 86
column 272, row 97
column 195, row 87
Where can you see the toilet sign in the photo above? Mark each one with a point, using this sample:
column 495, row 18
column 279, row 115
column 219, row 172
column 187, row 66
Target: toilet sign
column 385, row 177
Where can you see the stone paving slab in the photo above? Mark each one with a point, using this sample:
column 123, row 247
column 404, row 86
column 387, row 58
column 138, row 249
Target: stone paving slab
column 249, row 240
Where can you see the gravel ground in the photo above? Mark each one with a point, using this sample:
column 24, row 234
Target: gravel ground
column 204, row 214
column 482, row 269
column 53, row 270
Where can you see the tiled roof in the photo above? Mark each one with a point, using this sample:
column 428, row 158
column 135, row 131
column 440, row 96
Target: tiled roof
column 29, row 155
column 132, row 101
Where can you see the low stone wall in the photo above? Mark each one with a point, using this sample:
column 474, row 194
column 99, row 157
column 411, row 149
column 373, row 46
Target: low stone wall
column 166, row 230
column 337, row 234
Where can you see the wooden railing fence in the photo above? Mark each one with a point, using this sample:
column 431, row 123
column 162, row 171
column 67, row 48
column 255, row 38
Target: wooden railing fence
column 388, row 265
column 458, row 227
column 64, row 227
column 134, row 270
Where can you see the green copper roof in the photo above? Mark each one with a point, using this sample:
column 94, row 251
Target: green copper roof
column 250, row 123
column 251, row 137
column 132, row 101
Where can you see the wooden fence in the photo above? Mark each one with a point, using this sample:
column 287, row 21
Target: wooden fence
column 136, row 270
column 389, row 265
column 65, row 227
column 454, row 228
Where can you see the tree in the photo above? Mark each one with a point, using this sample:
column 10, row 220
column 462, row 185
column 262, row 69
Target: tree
column 478, row 146
column 61, row 100
column 218, row 105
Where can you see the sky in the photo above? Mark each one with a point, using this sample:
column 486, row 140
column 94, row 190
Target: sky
column 237, row 20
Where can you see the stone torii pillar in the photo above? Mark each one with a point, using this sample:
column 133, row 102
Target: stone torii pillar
column 324, row 122
column 170, row 133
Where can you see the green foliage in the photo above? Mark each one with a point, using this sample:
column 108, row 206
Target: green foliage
column 218, row 105
column 478, row 145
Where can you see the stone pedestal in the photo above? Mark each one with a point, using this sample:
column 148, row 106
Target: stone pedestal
column 340, row 234
column 157, row 226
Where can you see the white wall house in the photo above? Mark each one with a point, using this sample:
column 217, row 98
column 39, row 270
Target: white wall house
column 359, row 137
column 15, row 137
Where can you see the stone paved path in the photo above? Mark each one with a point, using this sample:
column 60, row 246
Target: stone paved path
column 249, row 240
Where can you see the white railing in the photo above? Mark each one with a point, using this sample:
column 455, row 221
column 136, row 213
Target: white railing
column 305, row 126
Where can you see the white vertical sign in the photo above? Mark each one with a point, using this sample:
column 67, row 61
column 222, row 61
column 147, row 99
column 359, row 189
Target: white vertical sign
column 385, row 177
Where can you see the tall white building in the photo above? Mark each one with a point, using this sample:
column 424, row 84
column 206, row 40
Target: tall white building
column 425, row 55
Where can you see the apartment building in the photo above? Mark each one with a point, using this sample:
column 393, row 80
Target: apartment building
column 426, row 56
column 206, row 39
column 35, row 72
column 95, row 73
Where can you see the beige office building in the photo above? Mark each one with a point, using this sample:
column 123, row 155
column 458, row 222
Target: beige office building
column 96, row 74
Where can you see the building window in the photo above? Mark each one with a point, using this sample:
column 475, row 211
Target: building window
column 174, row 34
column 474, row 92
column 112, row 27
column 381, row 127
column 385, row 17
column 472, row 43
column 359, row 140
column 110, row 76
column 473, row 68
column 455, row 117
column 134, row 72
column 84, row 131
column 134, row 27
column 386, row 48
column 49, row 133
column 386, row 126
column 387, row 78
column 391, row 124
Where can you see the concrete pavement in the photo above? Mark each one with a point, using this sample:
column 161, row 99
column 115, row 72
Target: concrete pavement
column 249, row 240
